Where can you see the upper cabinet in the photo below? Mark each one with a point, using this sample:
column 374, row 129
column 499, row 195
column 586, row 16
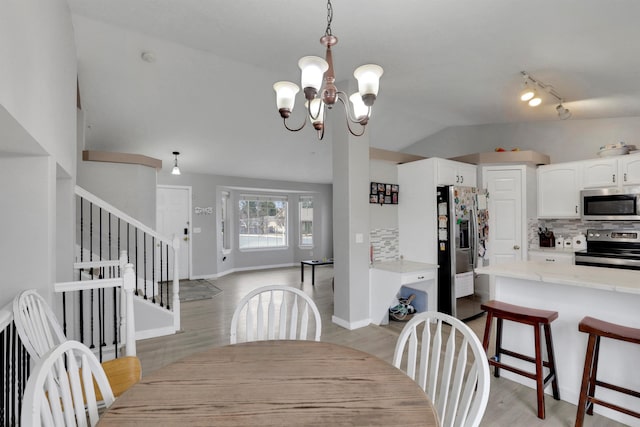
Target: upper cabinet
column 559, row 190
column 630, row 169
column 451, row 172
column 600, row 173
column 611, row 172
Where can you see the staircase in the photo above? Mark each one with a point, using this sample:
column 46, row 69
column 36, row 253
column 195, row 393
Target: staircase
column 103, row 235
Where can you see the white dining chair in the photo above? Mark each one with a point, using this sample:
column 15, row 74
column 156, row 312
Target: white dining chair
column 61, row 389
column 40, row 331
column 287, row 315
column 445, row 357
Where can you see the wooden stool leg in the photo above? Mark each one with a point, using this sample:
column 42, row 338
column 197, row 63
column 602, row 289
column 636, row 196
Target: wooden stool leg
column 586, row 377
column 592, row 378
column 496, row 370
column 487, row 331
column 552, row 362
column 539, row 372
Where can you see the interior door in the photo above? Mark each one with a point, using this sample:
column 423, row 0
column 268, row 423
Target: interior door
column 505, row 215
column 173, row 218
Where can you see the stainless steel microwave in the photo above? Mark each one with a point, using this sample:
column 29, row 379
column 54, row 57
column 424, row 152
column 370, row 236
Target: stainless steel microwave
column 611, row 204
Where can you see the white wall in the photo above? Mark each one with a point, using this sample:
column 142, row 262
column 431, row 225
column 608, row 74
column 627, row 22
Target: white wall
column 562, row 140
column 39, row 73
column 37, row 117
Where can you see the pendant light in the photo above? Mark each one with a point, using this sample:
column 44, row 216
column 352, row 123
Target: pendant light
column 176, row 169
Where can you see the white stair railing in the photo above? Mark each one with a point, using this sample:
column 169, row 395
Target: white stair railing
column 104, row 231
column 124, row 326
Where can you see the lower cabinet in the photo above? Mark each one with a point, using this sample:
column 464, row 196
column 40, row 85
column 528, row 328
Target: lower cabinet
column 384, row 286
column 552, row 257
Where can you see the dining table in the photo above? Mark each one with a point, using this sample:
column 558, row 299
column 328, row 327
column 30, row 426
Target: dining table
column 277, row 382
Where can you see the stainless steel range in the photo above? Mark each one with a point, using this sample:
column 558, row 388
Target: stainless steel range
column 611, row 248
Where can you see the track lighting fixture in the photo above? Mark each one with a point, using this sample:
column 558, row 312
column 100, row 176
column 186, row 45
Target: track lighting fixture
column 529, row 94
column 176, row 169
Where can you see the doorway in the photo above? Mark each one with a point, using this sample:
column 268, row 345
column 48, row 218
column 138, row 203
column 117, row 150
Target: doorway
column 173, row 218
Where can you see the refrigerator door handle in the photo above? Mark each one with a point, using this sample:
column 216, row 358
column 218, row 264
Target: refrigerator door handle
column 474, row 238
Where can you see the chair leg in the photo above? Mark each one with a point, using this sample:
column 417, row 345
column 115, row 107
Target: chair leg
column 539, row 373
column 586, row 377
column 552, row 362
column 592, row 377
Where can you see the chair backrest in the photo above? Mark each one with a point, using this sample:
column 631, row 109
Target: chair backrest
column 286, row 316
column 445, row 357
column 60, row 390
column 36, row 324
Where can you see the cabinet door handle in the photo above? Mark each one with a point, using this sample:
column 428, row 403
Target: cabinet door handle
column 420, row 277
column 457, row 178
column 625, row 177
column 576, row 208
column 550, row 260
column 461, row 179
column 516, row 247
column 614, row 177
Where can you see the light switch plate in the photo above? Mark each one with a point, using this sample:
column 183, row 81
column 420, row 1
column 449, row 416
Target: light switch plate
column 359, row 238
column 197, row 230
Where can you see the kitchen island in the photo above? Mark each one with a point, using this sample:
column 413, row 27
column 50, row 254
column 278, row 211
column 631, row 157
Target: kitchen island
column 574, row 291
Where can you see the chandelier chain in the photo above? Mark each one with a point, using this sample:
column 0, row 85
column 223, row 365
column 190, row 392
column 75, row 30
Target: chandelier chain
column 329, row 18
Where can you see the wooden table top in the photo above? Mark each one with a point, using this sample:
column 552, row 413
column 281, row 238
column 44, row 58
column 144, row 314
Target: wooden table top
column 280, row 383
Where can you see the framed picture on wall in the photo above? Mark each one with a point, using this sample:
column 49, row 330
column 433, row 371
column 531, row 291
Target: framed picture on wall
column 383, row 194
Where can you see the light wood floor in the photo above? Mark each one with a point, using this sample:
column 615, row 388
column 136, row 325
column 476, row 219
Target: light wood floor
column 206, row 324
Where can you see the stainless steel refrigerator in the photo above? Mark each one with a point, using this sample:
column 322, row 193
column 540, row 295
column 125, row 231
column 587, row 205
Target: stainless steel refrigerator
column 462, row 236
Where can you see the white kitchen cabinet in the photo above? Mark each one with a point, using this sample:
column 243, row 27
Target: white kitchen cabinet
column 386, row 279
column 600, row 173
column 552, row 256
column 451, row 172
column 559, row 188
column 630, row 169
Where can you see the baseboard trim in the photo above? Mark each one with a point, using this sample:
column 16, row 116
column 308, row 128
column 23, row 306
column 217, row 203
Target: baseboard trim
column 350, row 325
column 153, row 333
column 236, row 270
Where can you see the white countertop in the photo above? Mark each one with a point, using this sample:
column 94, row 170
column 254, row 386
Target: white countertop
column 403, row 266
column 611, row 279
column 556, row 250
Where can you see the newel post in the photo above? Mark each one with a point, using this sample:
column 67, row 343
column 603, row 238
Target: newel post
column 176, row 283
column 129, row 326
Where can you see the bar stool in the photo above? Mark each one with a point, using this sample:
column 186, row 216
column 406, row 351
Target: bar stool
column 597, row 329
column 528, row 316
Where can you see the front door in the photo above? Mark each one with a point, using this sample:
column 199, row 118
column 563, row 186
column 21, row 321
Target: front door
column 173, row 219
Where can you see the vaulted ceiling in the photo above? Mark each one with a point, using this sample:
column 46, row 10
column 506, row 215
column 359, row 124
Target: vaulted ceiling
column 208, row 93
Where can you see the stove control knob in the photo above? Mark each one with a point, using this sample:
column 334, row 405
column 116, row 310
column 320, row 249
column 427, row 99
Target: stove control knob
column 597, row 234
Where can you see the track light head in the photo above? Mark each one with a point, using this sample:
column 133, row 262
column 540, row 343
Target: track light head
column 527, row 93
column 563, row 113
column 535, row 101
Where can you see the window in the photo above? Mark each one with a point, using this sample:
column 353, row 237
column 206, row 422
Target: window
column 305, row 212
column 262, row 222
column 224, row 225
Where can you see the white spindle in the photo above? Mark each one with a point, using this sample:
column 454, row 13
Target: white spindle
column 272, row 314
column 294, row 320
column 283, row 318
column 304, row 324
column 128, row 285
column 260, row 319
column 432, row 387
column 176, row 283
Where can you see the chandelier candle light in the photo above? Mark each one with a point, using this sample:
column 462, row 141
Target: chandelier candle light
column 313, row 69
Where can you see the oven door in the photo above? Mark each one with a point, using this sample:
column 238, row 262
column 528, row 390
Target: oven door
column 607, row 260
column 610, row 204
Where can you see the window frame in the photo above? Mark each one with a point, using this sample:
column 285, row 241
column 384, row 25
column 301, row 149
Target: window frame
column 301, row 243
column 260, row 198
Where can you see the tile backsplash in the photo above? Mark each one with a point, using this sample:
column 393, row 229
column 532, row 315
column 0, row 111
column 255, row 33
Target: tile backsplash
column 385, row 243
column 571, row 227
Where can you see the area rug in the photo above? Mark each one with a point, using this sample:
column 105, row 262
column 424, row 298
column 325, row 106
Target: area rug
column 195, row 290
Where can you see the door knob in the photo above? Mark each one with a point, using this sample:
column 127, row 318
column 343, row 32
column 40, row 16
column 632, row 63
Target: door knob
column 516, row 247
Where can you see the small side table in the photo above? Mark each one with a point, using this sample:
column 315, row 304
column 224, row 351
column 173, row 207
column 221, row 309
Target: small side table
column 313, row 263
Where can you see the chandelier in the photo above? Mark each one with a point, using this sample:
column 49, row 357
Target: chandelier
column 318, row 99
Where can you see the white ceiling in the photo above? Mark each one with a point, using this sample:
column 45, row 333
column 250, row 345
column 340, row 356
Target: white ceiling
column 447, row 63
